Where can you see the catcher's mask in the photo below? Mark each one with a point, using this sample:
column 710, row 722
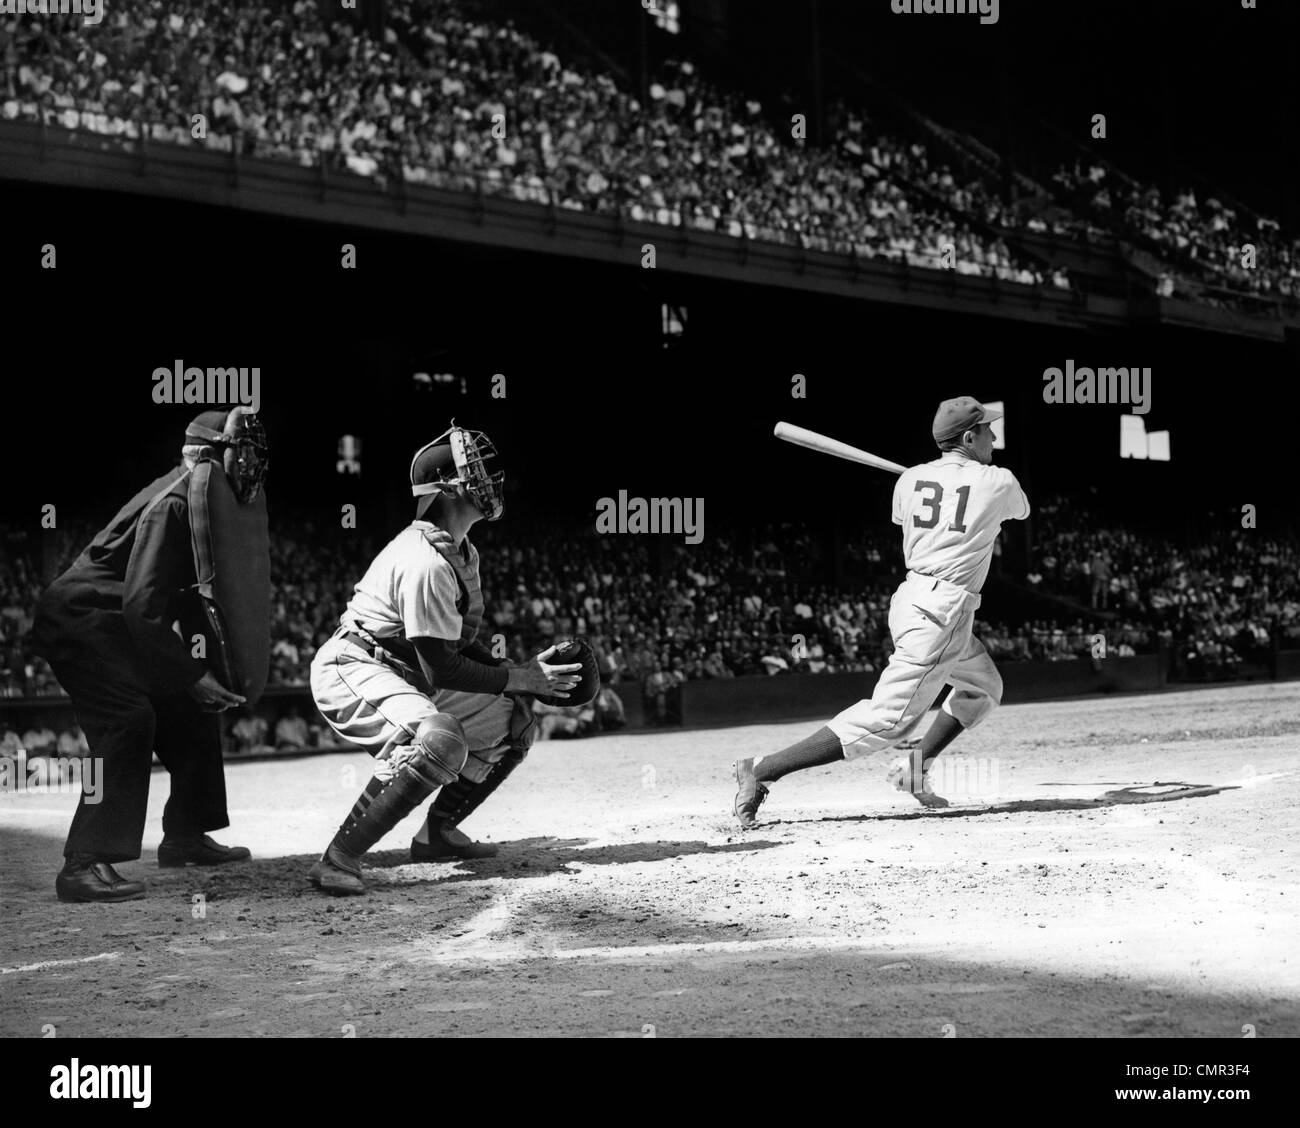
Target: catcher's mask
column 458, row 457
column 241, row 443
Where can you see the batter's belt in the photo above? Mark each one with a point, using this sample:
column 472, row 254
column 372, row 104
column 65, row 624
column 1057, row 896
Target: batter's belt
column 939, row 600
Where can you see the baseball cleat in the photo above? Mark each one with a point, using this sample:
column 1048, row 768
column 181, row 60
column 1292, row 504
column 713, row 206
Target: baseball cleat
column 903, row 776
column 446, row 841
column 330, row 877
column 751, row 794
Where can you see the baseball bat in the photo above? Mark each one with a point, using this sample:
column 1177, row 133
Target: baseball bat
column 801, row 436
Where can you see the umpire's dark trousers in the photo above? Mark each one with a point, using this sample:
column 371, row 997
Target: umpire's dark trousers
column 125, row 725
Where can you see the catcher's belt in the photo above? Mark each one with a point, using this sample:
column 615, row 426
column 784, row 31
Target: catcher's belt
column 396, row 652
column 232, row 563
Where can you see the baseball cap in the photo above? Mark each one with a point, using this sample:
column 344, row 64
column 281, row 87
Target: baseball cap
column 957, row 415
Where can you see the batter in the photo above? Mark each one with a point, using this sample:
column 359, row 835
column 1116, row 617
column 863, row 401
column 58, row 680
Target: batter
column 951, row 511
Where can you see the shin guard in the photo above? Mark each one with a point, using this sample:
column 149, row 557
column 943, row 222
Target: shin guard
column 380, row 807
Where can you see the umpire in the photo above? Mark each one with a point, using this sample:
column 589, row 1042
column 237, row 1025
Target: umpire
column 106, row 627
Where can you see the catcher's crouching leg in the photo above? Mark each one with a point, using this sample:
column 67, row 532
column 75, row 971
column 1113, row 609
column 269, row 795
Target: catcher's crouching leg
column 482, row 774
column 401, row 784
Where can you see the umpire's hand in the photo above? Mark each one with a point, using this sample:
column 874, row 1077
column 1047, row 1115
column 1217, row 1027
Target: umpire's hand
column 212, row 696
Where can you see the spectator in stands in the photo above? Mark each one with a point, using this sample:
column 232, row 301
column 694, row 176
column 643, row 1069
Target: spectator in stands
column 610, row 713
column 291, row 731
column 72, row 742
column 1099, row 572
column 40, row 740
column 562, row 722
column 248, row 733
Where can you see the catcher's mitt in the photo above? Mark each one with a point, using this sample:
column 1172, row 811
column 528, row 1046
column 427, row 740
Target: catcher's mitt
column 568, row 651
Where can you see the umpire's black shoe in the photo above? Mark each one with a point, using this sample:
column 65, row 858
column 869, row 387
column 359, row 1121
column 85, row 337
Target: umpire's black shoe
column 199, row 850
column 445, row 842
column 82, row 879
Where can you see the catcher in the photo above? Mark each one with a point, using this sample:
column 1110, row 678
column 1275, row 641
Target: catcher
column 404, row 678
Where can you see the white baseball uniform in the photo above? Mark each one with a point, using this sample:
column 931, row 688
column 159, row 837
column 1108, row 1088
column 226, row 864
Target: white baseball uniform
column 951, row 511
column 410, row 590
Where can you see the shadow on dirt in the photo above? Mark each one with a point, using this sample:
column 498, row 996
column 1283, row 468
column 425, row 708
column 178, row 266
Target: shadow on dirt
column 263, row 878
column 538, row 857
column 1124, row 796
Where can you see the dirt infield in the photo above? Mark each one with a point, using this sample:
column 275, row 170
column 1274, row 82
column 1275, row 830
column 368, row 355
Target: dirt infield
column 1077, row 898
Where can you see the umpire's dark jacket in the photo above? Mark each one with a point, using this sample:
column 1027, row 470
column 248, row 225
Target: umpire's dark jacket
column 105, row 625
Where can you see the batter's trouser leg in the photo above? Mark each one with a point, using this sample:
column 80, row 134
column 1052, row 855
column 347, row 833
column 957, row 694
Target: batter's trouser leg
column 976, row 685
column 903, row 694
column 917, row 671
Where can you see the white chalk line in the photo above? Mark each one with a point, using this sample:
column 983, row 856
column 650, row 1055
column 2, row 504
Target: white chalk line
column 489, row 921
column 725, row 947
column 476, row 935
column 44, row 965
column 456, row 951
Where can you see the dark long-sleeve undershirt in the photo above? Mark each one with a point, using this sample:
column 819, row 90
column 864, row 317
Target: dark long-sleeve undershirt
column 470, row 670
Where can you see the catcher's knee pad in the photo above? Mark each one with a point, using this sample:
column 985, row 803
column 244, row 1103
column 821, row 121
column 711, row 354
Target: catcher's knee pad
column 441, row 749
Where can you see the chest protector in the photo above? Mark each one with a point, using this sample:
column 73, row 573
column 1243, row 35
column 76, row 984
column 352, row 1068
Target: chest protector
column 232, row 561
column 471, row 617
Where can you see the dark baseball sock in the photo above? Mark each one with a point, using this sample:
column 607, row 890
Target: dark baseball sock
column 823, row 747
column 942, row 733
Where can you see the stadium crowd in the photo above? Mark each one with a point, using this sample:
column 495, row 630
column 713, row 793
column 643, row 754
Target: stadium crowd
column 429, row 101
column 448, row 96
column 1215, row 600
column 1205, row 237
column 732, row 606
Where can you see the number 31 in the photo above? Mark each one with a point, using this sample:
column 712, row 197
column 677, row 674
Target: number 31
column 932, row 504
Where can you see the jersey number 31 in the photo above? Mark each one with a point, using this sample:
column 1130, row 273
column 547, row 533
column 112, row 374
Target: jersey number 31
column 932, row 504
